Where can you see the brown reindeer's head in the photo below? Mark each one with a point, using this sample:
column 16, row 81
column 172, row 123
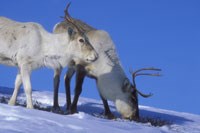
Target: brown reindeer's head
column 78, row 36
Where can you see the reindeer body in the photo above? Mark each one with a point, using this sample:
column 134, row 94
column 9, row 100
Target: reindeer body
column 28, row 46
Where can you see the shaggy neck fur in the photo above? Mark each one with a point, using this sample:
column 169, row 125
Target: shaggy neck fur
column 108, row 59
column 107, row 69
column 55, row 52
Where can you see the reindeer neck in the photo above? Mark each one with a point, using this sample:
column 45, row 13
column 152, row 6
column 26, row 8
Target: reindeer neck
column 56, row 50
column 105, row 65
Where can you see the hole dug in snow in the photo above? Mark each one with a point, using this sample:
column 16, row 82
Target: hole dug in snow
column 157, row 122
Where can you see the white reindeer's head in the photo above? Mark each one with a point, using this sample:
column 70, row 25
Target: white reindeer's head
column 78, row 40
column 126, row 103
column 81, row 46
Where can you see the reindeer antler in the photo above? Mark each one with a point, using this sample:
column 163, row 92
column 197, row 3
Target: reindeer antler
column 140, row 73
column 69, row 19
column 67, row 16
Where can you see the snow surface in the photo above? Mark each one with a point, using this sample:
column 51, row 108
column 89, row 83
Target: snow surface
column 18, row 119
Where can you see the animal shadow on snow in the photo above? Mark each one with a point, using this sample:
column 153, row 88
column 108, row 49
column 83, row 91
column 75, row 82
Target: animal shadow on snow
column 146, row 116
column 95, row 109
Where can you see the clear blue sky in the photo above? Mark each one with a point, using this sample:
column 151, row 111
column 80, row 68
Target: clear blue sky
column 159, row 33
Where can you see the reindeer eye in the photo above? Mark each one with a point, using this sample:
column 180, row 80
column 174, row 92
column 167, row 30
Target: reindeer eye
column 81, row 40
column 126, row 85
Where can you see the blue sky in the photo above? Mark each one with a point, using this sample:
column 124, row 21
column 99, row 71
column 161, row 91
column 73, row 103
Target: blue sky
column 159, row 33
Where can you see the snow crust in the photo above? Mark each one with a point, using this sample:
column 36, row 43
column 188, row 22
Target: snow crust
column 17, row 119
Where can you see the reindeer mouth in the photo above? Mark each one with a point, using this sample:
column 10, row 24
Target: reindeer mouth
column 91, row 60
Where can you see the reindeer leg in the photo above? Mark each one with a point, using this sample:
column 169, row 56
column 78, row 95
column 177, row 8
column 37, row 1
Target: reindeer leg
column 18, row 83
column 107, row 112
column 80, row 75
column 25, row 73
column 56, row 108
column 68, row 76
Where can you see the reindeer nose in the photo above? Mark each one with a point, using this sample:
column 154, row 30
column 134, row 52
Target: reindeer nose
column 92, row 57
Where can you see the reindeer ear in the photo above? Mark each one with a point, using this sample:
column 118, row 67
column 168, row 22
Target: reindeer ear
column 71, row 32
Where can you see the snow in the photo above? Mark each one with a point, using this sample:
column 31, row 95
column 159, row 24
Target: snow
column 18, row 119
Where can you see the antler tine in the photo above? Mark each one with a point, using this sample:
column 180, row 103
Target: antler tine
column 68, row 18
column 67, row 15
column 136, row 73
column 139, row 73
column 142, row 94
column 145, row 69
column 147, row 74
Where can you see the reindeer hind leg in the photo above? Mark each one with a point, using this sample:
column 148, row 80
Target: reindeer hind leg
column 18, row 83
column 25, row 73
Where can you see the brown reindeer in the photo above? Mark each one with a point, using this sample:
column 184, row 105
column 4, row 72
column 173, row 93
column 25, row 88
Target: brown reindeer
column 111, row 80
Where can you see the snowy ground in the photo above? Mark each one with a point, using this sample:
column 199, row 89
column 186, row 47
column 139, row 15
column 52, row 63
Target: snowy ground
column 17, row 119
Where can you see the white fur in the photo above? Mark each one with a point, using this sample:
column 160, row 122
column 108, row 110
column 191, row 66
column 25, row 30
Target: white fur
column 109, row 73
column 28, row 46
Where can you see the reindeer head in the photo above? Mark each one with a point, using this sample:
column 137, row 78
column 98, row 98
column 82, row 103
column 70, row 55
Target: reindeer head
column 128, row 104
column 78, row 37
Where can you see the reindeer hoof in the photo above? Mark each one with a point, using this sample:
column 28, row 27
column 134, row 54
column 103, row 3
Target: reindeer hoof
column 56, row 109
column 109, row 116
column 11, row 102
column 68, row 112
column 29, row 106
column 71, row 111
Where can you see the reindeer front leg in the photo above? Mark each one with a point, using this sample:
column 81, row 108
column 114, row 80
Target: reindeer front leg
column 70, row 72
column 18, row 83
column 56, row 83
column 107, row 111
column 80, row 75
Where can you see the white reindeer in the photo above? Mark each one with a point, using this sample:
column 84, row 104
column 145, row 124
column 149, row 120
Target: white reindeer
column 112, row 82
column 29, row 46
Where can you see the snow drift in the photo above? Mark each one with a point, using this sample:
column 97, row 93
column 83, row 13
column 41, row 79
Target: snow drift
column 18, row 119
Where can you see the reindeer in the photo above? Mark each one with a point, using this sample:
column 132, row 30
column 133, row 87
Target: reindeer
column 29, row 46
column 81, row 69
column 111, row 80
